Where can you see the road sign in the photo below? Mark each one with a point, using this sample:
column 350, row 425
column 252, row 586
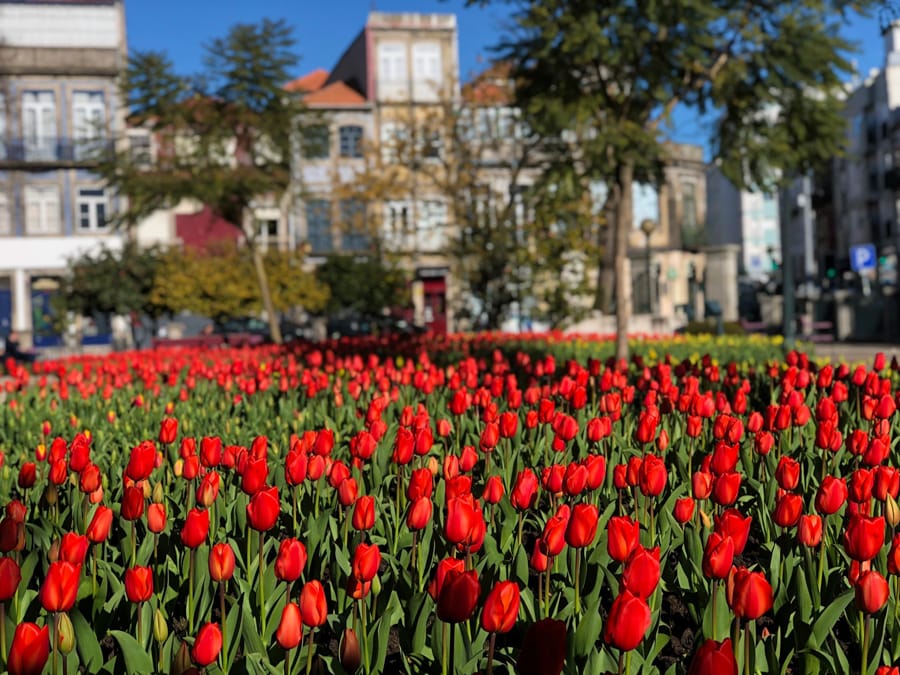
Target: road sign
column 863, row 257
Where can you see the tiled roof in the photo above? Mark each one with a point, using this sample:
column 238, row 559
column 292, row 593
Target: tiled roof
column 491, row 87
column 335, row 94
column 309, row 82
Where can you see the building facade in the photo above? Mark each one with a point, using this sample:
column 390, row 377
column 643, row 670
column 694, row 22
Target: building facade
column 59, row 108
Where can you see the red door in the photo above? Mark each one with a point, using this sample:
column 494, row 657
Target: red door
column 435, row 304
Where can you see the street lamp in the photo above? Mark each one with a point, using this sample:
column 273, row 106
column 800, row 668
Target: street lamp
column 647, row 227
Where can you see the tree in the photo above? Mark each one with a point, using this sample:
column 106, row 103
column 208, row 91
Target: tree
column 111, row 281
column 224, row 137
column 363, row 283
column 214, row 283
column 509, row 233
column 599, row 80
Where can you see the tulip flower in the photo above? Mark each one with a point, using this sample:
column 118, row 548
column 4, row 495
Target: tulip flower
column 138, row 584
column 524, row 492
column 628, row 621
column 623, row 535
column 714, row 658
column 444, row 567
column 132, row 503
column 366, row 560
column 871, row 592
column 168, row 430
column 29, row 651
column 253, row 478
column 208, row 490
column 290, row 628
column 652, row 476
column 291, row 560
column 788, row 509
column 553, row 538
column 141, row 461
column 733, row 524
column 196, row 528
column 684, row 509
column 809, row 531
column 60, row 587
column 501, row 608
column 156, row 518
column 831, row 495
column 364, row 513
column 718, row 556
column 419, row 513
column 207, row 645
column 313, row 607
column 749, row 594
column 10, row 576
column 73, row 548
column 581, row 528
column 642, row 571
column 263, row 509
column 458, row 597
column 221, row 562
column 864, row 537
column 349, row 651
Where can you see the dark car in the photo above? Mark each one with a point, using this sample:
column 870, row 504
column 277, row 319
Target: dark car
column 251, row 330
column 351, row 323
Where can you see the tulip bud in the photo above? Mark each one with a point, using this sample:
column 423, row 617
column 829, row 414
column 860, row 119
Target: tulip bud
column 51, row 495
column 66, row 633
column 181, row 661
column 148, row 491
column 160, row 627
column 376, row 585
column 158, row 494
column 705, row 519
column 53, row 551
column 178, row 468
column 891, row 511
column 349, row 651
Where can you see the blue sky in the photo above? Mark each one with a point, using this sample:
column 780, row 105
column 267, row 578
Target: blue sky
column 324, row 28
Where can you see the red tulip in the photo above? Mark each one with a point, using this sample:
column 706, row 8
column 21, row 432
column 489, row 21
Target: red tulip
column 366, row 561
column 168, row 430
column 831, row 495
column 809, row 532
column 253, row 478
column 714, row 658
column 221, row 562
column 132, row 503
column 98, row 529
column 156, row 518
column 264, row 509
column 196, row 527
column 684, row 509
column 501, row 608
column 652, row 476
column 10, row 576
column 864, row 537
column 623, row 536
column 313, row 607
column 29, row 651
column 788, row 473
column 871, row 592
column 788, row 509
column 733, row 524
column 290, row 629
column 493, row 490
column 628, row 621
column 718, row 556
column 73, row 548
column 364, row 513
column 207, row 645
column 60, row 586
column 582, row 526
column 444, row 567
column 295, row 466
column 27, row 475
column 458, row 597
column 139, row 584
column 211, row 451
column 726, row 487
column 421, row 484
column 141, row 461
column 419, row 513
column 524, row 492
column 749, row 594
column 641, row 573
column 208, row 490
column 89, row 480
column 291, row 560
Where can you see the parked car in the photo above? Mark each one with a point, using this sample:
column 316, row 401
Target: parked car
column 253, row 330
column 351, row 323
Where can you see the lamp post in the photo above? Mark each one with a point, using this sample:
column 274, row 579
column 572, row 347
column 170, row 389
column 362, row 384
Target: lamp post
column 647, row 227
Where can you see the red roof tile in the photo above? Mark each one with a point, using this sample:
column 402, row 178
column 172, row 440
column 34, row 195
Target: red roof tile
column 335, row 94
column 310, row 82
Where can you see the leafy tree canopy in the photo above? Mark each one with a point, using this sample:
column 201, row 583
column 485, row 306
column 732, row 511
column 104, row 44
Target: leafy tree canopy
column 362, row 283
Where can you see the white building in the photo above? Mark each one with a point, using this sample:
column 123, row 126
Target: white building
column 59, row 64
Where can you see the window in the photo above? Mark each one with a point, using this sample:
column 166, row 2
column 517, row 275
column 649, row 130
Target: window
column 5, row 218
column 393, row 140
column 91, row 210
column 353, row 225
column 432, row 223
column 267, row 232
column 397, row 216
column 316, row 142
column 318, row 226
column 39, row 124
column 42, row 209
column 393, row 76
column 139, row 148
column 430, row 144
column 426, row 70
column 2, row 126
column 351, row 141
column 88, row 116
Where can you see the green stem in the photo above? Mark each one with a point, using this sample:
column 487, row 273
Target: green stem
column 364, row 634
column 140, row 633
column 822, row 556
column 224, row 619
column 262, row 586
column 133, row 545
column 191, row 592
column 309, row 652
column 490, row 666
column 712, row 595
column 54, row 641
column 578, row 581
column 865, row 642
column 445, row 647
column 747, row 648
column 3, row 633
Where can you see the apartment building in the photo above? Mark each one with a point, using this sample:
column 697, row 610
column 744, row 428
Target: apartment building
column 394, row 78
column 59, row 108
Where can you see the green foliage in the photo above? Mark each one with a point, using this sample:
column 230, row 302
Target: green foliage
column 111, row 281
column 363, row 283
column 215, row 284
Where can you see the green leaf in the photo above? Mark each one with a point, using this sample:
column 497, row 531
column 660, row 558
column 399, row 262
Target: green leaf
column 588, row 631
column 824, row 625
column 86, row 641
column 136, row 659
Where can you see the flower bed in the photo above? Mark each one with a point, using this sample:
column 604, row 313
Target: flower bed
column 481, row 504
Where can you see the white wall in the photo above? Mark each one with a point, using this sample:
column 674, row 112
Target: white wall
column 53, row 25
column 49, row 253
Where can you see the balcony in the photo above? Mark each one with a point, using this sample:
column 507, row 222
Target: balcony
column 21, row 153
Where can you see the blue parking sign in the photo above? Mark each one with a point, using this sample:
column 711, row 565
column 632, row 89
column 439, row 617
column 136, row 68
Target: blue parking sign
column 863, row 257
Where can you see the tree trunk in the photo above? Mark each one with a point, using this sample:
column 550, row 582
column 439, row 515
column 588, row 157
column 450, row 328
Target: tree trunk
column 263, row 281
column 624, row 216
